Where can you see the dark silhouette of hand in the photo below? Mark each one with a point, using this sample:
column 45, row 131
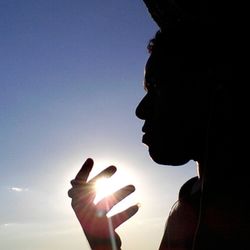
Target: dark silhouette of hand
column 97, row 226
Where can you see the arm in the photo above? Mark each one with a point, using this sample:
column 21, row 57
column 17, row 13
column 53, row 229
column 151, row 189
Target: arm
column 97, row 226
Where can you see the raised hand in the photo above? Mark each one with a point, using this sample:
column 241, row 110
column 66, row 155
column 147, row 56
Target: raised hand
column 97, row 226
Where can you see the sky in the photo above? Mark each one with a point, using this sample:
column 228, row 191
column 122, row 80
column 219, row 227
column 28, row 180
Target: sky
column 71, row 78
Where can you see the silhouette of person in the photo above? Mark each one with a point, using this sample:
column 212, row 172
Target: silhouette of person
column 188, row 116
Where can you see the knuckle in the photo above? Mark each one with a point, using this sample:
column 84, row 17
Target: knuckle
column 70, row 193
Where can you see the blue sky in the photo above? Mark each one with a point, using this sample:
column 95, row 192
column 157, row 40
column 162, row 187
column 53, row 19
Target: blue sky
column 71, row 77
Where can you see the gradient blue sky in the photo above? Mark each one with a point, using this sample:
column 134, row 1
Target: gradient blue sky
column 71, row 77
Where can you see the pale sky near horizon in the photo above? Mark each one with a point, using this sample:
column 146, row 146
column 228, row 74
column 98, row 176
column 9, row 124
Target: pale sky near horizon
column 71, row 78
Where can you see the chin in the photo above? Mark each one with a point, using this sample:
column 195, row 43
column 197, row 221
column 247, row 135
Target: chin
column 167, row 158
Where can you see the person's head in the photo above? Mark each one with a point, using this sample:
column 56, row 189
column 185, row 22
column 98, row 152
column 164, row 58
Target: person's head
column 179, row 88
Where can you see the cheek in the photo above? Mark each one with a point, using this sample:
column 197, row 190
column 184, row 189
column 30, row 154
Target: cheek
column 175, row 119
column 176, row 110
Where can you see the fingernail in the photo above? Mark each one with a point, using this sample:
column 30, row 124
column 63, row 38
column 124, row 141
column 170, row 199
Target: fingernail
column 138, row 204
column 131, row 188
column 89, row 160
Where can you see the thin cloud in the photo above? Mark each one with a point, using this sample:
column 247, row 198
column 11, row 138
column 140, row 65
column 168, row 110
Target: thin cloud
column 18, row 189
column 6, row 225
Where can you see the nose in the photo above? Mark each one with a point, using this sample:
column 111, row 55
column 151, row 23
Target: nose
column 143, row 109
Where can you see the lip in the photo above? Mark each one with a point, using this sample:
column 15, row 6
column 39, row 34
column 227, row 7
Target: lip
column 145, row 128
column 146, row 139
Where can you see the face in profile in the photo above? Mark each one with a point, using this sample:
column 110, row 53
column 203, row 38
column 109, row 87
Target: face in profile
column 172, row 111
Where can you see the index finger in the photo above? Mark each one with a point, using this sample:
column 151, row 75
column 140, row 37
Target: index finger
column 83, row 173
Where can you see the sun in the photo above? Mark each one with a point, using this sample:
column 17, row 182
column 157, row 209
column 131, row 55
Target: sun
column 103, row 188
column 106, row 186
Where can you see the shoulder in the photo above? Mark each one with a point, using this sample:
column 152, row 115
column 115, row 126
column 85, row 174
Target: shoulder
column 191, row 188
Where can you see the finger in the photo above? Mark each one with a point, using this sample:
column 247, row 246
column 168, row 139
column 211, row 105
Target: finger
column 75, row 191
column 83, row 174
column 108, row 202
column 85, row 195
column 77, row 183
column 119, row 218
column 106, row 173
